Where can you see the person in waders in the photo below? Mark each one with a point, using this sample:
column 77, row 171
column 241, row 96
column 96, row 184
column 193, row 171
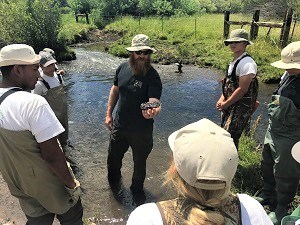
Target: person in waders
column 50, row 86
column 204, row 163
column 280, row 171
column 31, row 160
column 240, row 87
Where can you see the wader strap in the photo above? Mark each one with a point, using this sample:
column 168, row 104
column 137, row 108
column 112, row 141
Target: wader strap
column 233, row 73
column 59, row 78
column 9, row 92
column 46, row 84
column 161, row 213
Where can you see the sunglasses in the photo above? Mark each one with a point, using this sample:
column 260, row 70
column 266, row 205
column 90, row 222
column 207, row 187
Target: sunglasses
column 235, row 42
column 143, row 52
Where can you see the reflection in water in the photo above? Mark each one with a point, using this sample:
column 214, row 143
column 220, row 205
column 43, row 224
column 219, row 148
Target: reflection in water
column 186, row 98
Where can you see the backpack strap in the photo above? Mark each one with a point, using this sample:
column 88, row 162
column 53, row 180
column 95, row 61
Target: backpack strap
column 45, row 83
column 9, row 92
column 161, row 213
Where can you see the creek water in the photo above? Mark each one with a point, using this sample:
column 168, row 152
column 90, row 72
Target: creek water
column 186, row 98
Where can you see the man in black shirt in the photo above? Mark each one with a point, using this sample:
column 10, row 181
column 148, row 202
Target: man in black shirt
column 280, row 171
column 135, row 82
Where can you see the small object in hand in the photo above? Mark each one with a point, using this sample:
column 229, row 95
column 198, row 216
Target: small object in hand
column 150, row 105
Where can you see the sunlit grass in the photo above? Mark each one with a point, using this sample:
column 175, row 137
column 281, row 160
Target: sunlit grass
column 199, row 40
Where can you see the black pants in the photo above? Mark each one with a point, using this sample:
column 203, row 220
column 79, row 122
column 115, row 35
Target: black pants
column 72, row 217
column 141, row 143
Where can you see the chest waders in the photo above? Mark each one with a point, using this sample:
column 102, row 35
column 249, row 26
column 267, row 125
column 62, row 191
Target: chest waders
column 28, row 176
column 57, row 99
column 176, row 211
column 236, row 117
column 280, row 171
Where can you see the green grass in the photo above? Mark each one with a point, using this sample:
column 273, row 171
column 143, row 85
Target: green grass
column 73, row 31
column 199, row 40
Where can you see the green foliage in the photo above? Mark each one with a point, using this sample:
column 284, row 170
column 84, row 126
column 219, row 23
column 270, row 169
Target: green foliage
column 82, row 6
column 34, row 22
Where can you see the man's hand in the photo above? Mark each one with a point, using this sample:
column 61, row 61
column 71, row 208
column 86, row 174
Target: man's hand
column 109, row 122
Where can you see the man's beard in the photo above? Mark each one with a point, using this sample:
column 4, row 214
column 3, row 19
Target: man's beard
column 139, row 66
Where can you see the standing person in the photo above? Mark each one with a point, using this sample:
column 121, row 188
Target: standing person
column 280, row 171
column 204, row 163
column 31, row 161
column 239, row 87
column 50, row 86
column 135, row 82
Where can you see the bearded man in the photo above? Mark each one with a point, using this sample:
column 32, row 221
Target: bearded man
column 135, row 83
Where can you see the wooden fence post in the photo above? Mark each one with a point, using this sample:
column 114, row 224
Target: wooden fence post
column 87, row 18
column 76, row 17
column 286, row 28
column 195, row 26
column 254, row 26
column 226, row 24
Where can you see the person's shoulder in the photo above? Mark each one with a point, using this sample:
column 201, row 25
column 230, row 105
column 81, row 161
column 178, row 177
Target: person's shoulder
column 146, row 214
column 247, row 59
column 26, row 96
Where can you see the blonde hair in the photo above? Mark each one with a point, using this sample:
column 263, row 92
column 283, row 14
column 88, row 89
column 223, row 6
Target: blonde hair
column 200, row 197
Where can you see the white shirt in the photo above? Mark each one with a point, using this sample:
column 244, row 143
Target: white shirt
column 246, row 66
column 25, row 111
column 252, row 213
column 40, row 87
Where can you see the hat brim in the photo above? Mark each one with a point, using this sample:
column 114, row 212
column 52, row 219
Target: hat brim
column 140, row 48
column 49, row 63
column 283, row 65
column 10, row 62
column 230, row 40
column 296, row 151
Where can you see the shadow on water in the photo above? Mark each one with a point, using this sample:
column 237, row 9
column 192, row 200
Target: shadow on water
column 186, row 98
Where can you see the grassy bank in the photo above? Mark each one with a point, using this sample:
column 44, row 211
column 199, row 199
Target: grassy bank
column 199, row 40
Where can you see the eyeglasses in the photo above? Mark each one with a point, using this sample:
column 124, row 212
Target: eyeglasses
column 143, row 52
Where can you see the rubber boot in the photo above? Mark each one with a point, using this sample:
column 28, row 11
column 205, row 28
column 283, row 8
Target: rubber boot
column 278, row 214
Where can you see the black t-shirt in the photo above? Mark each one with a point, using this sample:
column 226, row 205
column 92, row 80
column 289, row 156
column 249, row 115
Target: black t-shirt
column 290, row 88
column 133, row 91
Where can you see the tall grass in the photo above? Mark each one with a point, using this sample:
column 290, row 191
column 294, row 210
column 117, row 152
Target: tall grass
column 199, row 40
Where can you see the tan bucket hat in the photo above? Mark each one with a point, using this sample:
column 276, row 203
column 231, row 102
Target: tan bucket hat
column 140, row 42
column 46, row 59
column 18, row 54
column 238, row 35
column 290, row 57
column 203, row 151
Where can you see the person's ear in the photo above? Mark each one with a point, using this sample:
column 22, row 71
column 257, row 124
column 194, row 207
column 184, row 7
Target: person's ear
column 17, row 70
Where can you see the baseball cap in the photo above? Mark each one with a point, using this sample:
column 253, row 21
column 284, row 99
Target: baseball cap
column 46, row 59
column 18, row 54
column 238, row 35
column 290, row 57
column 140, row 42
column 203, row 151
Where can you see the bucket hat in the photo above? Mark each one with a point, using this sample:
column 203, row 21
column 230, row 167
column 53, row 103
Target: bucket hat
column 290, row 57
column 296, row 151
column 18, row 54
column 51, row 51
column 140, row 42
column 203, row 151
column 46, row 59
column 238, row 35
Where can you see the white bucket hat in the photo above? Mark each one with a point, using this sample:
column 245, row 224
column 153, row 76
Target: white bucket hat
column 46, row 59
column 238, row 35
column 140, row 42
column 18, row 54
column 203, row 151
column 290, row 57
